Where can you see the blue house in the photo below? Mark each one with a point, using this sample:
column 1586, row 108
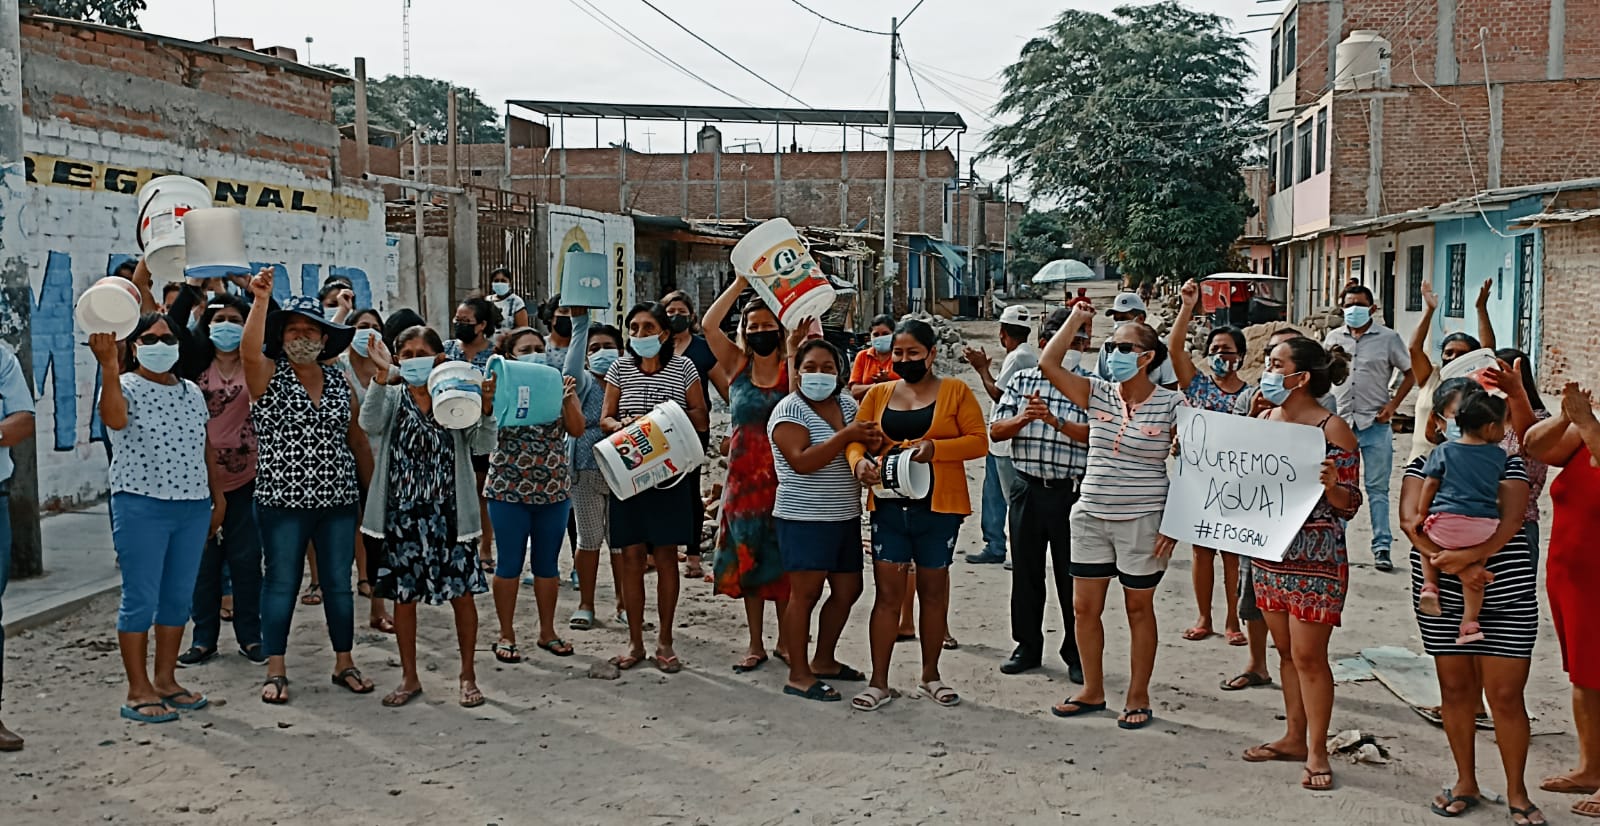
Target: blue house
column 1476, row 242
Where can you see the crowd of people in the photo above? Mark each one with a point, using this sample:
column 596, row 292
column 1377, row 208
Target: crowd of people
column 251, row 440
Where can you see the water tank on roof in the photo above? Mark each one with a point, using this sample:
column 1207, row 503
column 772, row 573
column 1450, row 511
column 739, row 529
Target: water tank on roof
column 1362, row 62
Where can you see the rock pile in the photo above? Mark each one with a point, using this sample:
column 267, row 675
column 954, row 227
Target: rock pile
column 951, row 343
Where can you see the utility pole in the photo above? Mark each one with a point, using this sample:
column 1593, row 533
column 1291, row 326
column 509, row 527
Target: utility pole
column 363, row 151
column 452, row 275
column 888, row 166
column 1005, row 235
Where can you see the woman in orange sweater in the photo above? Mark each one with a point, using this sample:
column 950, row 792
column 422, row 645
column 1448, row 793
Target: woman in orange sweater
column 939, row 420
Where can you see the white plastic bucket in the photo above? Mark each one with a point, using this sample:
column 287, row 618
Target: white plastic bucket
column 782, row 272
column 110, row 305
column 456, row 388
column 162, row 204
column 1472, row 366
column 583, row 280
column 655, row 449
column 901, row 478
column 214, row 243
column 525, row 393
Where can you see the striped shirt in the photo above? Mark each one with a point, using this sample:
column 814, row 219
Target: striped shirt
column 1038, row 449
column 642, row 391
column 831, row 494
column 1127, row 475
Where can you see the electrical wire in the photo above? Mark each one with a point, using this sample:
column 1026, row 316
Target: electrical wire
column 806, row 56
column 907, row 15
column 838, row 23
column 639, row 43
column 901, row 44
column 708, row 44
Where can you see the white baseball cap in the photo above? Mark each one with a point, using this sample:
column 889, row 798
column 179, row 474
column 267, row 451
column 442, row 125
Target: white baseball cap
column 1128, row 303
column 1017, row 314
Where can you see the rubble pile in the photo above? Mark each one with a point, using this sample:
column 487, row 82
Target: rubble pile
column 951, row 343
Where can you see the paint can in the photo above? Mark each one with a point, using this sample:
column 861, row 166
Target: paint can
column 583, row 280
column 525, row 393
column 214, row 243
column 456, row 388
column 162, row 204
column 110, row 305
column 658, row 449
column 901, row 478
column 782, row 272
column 1474, row 365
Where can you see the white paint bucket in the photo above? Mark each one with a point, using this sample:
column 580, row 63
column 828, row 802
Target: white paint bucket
column 456, row 388
column 1473, row 365
column 782, row 272
column 110, row 305
column 214, row 243
column 162, row 204
column 901, row 478
column 657, row 448
column 525, row 393
column 583, row 280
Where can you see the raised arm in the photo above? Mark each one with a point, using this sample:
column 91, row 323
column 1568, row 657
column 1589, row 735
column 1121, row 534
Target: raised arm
column 1421, row 360
column 113, row 405
column 1485, row 326
column 577, row 363
column 1178, row 336
column 1554, row 440
column 257, row 367
column 571, row 408
column 728, row 354
column 1076, row 388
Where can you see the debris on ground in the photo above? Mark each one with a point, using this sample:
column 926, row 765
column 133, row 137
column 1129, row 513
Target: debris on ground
column 1360, row 748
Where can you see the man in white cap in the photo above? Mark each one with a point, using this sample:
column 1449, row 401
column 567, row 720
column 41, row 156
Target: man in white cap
column 1016, row 331
column 1129, row 307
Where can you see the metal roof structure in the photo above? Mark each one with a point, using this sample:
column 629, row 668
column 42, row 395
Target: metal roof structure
column 744, row 114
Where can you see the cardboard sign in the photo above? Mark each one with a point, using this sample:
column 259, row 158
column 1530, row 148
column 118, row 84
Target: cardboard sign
column 1242, row 485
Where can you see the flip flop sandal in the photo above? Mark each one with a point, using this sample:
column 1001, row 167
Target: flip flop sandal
column 486, row 565
column 1311, row 775
column 225, row 615
column 1127, row 725
column 582, row 620
column 950, row 643
column 382, row 625
column 750, row 663
column 1586, row 808
column 1526, row 815
column 280, row 687
column 1237, row 638
column 343, row 678
column 1250, row 678
column 363, row 588
column 135, row 714
column 845, row 674
column 1468, row 803
column 819, row 691
column 940, row 693
column 1562, row 784
column 506, row 652
column 472, row 697
column 1265, row 753
column 1078, row 708
column 668, row 665
column 623, row 662
column 557, row 647
column 400, row 697
column 171, row 701
column 312, row 596
column 871, row 699
column 1197, row 634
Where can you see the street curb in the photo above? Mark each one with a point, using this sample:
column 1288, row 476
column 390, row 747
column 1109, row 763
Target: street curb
column 67, row 604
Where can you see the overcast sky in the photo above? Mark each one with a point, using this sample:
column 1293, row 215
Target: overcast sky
column 555, row 50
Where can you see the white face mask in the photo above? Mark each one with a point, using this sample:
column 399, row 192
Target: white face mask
column 1072, row 359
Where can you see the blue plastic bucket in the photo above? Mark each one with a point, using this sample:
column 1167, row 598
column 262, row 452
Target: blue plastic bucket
column 583, row 280
column 525, row 393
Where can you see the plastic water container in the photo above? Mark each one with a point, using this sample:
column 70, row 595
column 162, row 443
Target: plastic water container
column 901, row 478
column 110, row 305
column 456, row 388
column 655, row 450
column 214, row 243
column 162, row 204
column 525, row 393
column 1473, row 365
column 781, row 270
column 583, row 280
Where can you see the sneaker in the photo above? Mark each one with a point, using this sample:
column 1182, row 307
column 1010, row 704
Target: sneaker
column 254, row 653
column 195, row 656
column 985, row 558
column 1381, row 561
column 1007, row 565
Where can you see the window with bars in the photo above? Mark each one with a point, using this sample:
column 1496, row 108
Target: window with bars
column 1456, row 289
column 1414, row 256
column 1303, row 149
column 1286, row 157
column 1289, row 32
column 1277, row 39
column 1322, row 140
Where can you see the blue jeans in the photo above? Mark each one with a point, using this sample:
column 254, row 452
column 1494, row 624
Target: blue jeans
column 5, row 575
column 998, row 478
column 1377, row 460
column 515, row 523
column 158, row 542
column 238, row 552
column 285, row 533
column 912, row 533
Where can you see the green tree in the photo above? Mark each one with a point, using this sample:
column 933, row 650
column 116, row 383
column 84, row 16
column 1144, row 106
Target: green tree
column 396, row 102
column 1040, row 237
column 1137, row 123
column 121, row 13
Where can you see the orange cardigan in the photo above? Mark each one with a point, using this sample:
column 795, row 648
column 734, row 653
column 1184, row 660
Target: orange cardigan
column 958, row 434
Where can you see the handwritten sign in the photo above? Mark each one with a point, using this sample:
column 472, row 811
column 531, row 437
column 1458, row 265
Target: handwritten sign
column 1242, row 485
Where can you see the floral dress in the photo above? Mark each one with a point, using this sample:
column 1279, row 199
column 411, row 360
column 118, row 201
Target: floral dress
column 1311, row 582
column 423, row 560
column 748, row 564
column 1204, row 393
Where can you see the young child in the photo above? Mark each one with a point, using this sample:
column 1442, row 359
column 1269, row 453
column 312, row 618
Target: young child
column 1461, row 496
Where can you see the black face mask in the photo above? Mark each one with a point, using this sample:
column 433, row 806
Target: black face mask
column 466, row 333
column 678, row 323
column 764, row 343
column 912, row 371
column 562, row 326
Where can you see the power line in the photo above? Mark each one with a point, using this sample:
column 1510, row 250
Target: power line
column 838, row 23
column 907, row 15
column 901, row 43
column 641, row 44
column 753, row 73
column 806, row 56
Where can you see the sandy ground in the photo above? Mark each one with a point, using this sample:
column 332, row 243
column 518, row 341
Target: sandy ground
column 708, row 746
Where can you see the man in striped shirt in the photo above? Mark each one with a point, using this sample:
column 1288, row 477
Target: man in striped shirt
column 1048, row 436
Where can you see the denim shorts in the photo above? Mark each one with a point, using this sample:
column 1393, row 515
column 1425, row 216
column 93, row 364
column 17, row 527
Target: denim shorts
column 834, row 547
column 913, row 533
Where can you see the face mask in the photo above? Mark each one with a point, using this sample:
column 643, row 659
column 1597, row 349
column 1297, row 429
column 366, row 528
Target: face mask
column 912, row 371
column 1452, row 431
column 501, row 288
column 562, row 326
column 363, row 341
column 226, row 335
column 1357, row 316
column 818, row 386
column 466, row 332
column 158, row 357
column 678, row 323
column 1272, row 388
column 303, row 350
column 601, row 360
column 647, row 347
column 1123, row 366
column 1072, row 359
column 764, row 343
column 1222, row 365
column 415, row 371
column 532, row 358
column 883, row 344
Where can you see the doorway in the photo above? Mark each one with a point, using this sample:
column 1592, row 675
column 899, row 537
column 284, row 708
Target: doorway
column 1386, row 289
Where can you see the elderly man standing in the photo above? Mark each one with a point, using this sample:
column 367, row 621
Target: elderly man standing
column 1016, row 328
column 16, row 426
column 1365, row 402
column 1130, row 307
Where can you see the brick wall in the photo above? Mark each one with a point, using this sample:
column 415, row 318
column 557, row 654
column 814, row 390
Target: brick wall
column 1571, row 290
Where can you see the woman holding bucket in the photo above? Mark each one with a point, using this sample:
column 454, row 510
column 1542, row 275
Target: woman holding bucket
column 313, row 460
column 361, row 369
column 477, row 319
column 938, row 422
column 651, row 521
column 528, row 491
column 689, row 339
column 421, row 512
column 592, row 350
column 748, row 565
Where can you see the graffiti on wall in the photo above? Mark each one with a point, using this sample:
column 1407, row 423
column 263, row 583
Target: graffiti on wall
column 90, row 176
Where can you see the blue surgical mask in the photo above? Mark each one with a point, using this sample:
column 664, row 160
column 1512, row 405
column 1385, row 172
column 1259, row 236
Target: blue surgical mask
column 1452, row 431
column 1123, row 366
column 363, row 341
column 819, row 386
column 1357, row 316
column 501, row 288
column 1221, row 365
column 532, row 358
column 415, row 371
column 645, row 347
column 883, row 344
column 1273, row 390
column 601, row 360
column 158, row 357
column 226, row 335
